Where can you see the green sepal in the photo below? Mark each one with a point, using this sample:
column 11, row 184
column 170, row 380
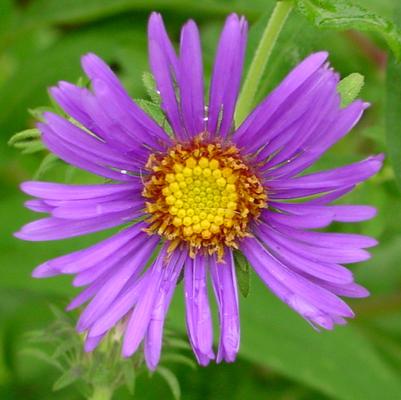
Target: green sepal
column 28, row 141
column 68, row 377
column 171, row 381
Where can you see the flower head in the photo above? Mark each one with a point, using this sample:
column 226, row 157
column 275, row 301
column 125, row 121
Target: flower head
column 194, row 198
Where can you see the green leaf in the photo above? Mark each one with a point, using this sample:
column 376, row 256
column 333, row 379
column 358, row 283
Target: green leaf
column 275, row 337
column 342, row 14
column 242, row 269
column 393, row 112
column 350, row 87
column 68, row 377
column 171, row 381
column 150, row 86
column 154, row 111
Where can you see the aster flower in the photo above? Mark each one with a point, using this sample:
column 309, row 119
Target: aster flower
column 190, row 200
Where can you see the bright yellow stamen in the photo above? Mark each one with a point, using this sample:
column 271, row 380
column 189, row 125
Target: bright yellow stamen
column 203, row 195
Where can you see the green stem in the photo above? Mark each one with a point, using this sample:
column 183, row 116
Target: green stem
column 259, row 62
column 102, row 393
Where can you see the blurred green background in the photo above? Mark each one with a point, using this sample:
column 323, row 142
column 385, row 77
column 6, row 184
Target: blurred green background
column 281, row 356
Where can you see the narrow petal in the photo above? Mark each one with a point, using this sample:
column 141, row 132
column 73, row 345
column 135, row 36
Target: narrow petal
column 140, row 317
column 139, row 121
column 226, row 76
column 129, row 269
column 198, row 315
column 312, row 301
column 225, row 288
column 154, row 335
column 330, row 133
column 326, row 271
column 92, row 342
column 57, row 228
column 164, row 65
column 257, row 122
column 334, row 178
column 341, row 213
column 88, row 162
column 59, row 191
column 190, row 80
column 91, row 256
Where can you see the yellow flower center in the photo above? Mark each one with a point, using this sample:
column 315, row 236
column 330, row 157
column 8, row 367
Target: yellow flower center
column 202, row 194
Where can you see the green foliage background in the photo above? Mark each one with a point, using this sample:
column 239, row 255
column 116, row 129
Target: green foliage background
column 281, row 356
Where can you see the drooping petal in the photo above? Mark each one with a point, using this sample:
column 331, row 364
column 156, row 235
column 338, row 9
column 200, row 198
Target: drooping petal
column 142, row 313
column 198, row 315
column 312, row 301
column 225, row 288
column 154, row 335
column 129, row 269
column 326, row 271
column 82, row 260
column 226, row 76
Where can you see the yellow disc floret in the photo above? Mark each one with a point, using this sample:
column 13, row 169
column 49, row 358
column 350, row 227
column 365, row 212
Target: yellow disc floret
column 202, row 195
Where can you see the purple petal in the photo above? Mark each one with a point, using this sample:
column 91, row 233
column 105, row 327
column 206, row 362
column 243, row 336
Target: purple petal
column 298, row 292
column 334, row 178
column 190, row 80
column 326, row 271
column 140, row 317
column 139, row 121
column 341, row 213
column 154, row 335
column 316, row 109
column 79, row 212
column 92, row 342
column 330, row 133
column 164, row 65
column 198, row 316
column 79, row 159
column 84, row 259
column 59, row 191
column 131, row 266
column 225, row 288
column 328, row 239
column 226, row 76
column 57, row 228
column 256, row 123
column 38, row 206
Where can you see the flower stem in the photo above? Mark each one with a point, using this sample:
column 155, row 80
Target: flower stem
column 102, row 393
column 259, row 62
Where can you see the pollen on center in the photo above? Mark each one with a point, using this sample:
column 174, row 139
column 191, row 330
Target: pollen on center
column 203, row 195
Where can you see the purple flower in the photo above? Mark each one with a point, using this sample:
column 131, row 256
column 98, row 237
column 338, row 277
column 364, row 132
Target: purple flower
column 194, row 198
